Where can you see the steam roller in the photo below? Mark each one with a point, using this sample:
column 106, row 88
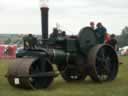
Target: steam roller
column 75, row 57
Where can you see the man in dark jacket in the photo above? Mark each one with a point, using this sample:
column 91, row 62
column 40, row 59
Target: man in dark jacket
column 113, row 41
column 101, row 32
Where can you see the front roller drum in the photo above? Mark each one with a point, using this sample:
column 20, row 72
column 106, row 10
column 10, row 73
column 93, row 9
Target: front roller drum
column 103, row 62
column 27, row 73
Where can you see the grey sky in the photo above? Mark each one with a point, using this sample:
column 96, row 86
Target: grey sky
column 23, row 16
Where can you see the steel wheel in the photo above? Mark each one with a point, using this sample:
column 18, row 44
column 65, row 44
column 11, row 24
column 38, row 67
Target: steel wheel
column 103, row 63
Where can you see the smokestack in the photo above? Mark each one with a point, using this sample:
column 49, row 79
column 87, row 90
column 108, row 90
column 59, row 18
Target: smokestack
column 44, row 18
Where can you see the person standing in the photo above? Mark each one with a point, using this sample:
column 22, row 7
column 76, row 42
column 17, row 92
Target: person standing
column 107, row 38
column 100, row 32
column 92, row 25
column 113, row 41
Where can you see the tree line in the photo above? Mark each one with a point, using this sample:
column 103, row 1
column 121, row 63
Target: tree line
column 123, row 37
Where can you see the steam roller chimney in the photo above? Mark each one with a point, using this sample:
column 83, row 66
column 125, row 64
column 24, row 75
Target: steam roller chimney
column 44, row 18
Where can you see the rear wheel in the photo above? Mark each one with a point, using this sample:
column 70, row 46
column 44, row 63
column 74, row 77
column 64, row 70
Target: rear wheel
column 103, row 63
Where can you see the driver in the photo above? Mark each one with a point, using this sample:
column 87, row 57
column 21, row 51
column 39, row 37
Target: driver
column 101, row 32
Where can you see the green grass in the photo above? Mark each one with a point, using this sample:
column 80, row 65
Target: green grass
column 118, row 87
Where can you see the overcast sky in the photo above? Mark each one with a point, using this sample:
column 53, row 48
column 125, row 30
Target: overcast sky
column 23, row 16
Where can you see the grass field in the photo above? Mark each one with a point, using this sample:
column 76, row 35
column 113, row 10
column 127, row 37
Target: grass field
column 59, row 87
